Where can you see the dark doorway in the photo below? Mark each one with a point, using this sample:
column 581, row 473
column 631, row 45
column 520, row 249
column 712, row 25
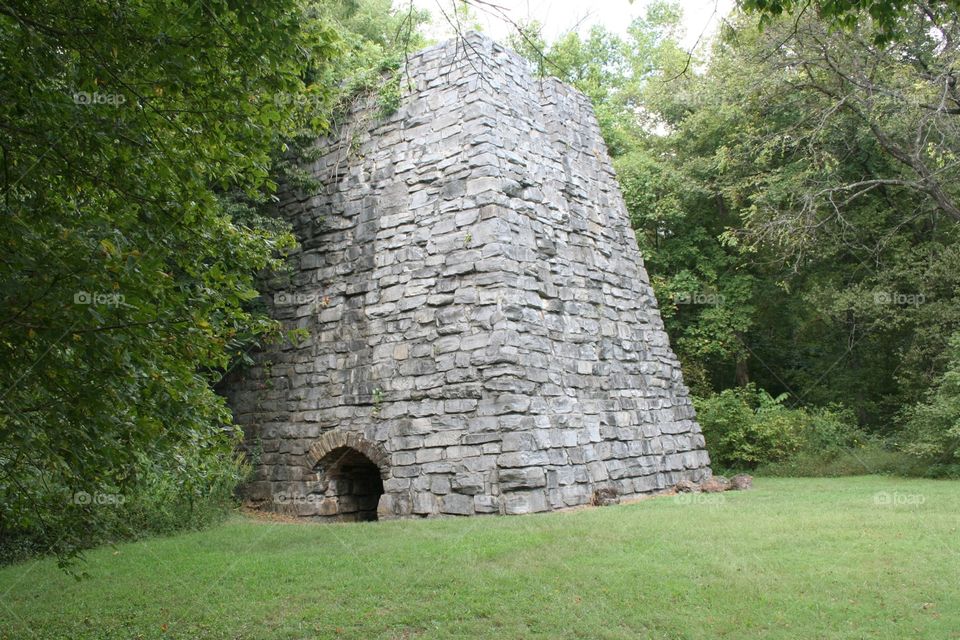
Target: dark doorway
column 354, row 485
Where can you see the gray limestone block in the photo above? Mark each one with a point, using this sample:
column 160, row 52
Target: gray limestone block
column 468, row 483
column 457, row 504
column 527, row 478
column 486, row 504
column 527, row 458
column 424, row 503
column 521, row 502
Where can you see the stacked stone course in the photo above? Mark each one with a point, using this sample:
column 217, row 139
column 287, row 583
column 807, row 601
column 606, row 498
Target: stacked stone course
column 481, row 327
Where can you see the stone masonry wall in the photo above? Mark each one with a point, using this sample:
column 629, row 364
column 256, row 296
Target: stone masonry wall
column 481, row 325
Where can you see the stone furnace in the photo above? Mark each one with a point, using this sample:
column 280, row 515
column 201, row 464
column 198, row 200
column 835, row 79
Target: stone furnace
column 482, row 335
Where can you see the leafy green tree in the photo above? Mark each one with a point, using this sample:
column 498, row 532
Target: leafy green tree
column 932, row 427
column 887, row 15
column 842, row 159
column 140, row 141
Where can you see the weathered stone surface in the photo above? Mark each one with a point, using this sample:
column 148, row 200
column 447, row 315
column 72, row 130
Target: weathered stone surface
column 458, row 504
column 716, row 484
column 483, row 335
column 521, row 502
column 530, row 478
column 605, row 496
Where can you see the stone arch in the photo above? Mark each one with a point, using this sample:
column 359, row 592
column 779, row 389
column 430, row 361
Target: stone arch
column 338, row 439
column 351, row 471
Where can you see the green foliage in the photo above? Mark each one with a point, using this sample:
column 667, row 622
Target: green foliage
column 886, row 15
column 376, row 40
column 708, row 295
column 870, row 457
column 746, row 427
column 388, row 99
column 142, row 144
column 932, row 427
column 190, row 489
column 859, row 246
column 186, row 488
column 612, row 70
column 796, row 232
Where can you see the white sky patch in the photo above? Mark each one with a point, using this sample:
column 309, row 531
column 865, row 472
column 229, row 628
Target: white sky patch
column 559, row 17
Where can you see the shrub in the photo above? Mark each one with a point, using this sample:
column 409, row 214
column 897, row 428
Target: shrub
column 187, row 487
column 738, row 436
column 869, row 457
column 931, row 433
column 189, row 490
column 746, row 428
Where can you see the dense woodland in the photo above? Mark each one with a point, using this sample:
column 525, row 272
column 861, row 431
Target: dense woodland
column 794, row 184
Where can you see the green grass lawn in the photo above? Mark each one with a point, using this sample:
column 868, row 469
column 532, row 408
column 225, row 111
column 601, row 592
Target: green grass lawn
column 794, row 558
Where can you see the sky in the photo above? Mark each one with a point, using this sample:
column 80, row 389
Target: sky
column 561, row 16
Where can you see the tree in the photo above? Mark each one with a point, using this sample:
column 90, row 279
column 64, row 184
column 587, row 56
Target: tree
column 837, row 157
column 139, row 141
column 932, row 427
column 904, row 99
column 886, row 15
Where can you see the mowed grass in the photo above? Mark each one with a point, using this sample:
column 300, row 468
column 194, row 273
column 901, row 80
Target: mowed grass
column 866, row 557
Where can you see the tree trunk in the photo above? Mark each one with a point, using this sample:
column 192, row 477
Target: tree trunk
column 742, row 373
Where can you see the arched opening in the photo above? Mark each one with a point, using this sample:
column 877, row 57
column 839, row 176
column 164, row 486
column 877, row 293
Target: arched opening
column 353, row 484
